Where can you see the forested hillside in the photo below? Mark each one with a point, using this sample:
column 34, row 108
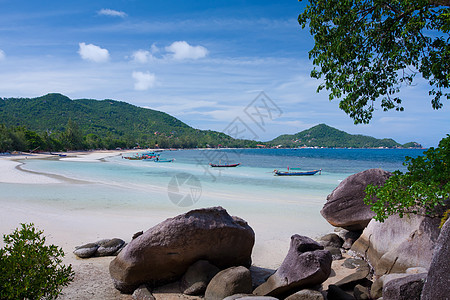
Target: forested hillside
column 325, row 136
column 56, row 122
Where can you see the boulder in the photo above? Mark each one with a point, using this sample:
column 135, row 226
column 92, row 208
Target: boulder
column 398, row 243
column 234, row 280
column 349, row 237
column 359, row 277
column 345, row 206
column 336, row 253
column 352, row 263
column 306, row 294
column 163, row 253
column 405, row 288
column 331, row 240
column 86, row 250
column 260, row 275
column 197, row 277
column 110, row 248
column 376, row 290
column 142, row 293
column 437, row 284
column 306, row 264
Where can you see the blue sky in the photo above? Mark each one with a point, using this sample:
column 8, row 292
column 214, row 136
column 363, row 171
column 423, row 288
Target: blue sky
column 203, row 62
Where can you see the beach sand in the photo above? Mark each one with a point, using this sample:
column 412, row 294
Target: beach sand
column 68, row 229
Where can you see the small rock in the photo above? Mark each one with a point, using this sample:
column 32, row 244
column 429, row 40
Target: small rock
column 142, row 293
column 331, row 240
column 336, row 253
column 228, row 282
column 110, row 248
column 352, row 263
column 306, row 294
column 361, row 292
column 86, row 251
column 197, row 277
column 137, row 234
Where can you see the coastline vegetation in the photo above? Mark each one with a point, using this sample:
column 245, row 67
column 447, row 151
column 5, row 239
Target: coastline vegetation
column 56, row 123
column 29, row 269
column 423, row 189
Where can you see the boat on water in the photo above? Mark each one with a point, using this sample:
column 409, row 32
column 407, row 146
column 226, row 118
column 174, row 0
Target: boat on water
column 224, row 165
column 163, row 160
column 296, row 173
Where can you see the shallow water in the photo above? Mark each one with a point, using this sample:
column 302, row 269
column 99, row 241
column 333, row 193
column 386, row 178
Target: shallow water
column 276, row 207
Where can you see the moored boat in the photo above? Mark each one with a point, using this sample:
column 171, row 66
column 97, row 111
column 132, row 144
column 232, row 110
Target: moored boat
column 296, row 173
column 224, row 165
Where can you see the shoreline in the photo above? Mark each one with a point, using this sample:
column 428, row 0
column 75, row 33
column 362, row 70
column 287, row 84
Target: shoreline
column 76, row 225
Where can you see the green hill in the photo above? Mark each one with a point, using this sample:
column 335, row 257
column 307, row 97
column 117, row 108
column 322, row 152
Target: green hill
column 325, row 136
column 106, row 123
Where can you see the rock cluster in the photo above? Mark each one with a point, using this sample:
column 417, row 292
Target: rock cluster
column 164, row 253
column 208, row 252
column 106, row 247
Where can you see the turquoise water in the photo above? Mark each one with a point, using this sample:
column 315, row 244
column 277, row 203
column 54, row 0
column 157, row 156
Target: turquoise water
column 276, row 207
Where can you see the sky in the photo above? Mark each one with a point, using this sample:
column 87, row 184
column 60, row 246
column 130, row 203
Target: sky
column 235, row 66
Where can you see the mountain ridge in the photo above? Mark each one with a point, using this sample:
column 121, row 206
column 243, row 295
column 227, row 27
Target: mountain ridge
column 323, row 135
column 108, row 123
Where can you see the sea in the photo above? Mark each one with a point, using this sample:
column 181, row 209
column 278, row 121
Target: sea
column 276, row 207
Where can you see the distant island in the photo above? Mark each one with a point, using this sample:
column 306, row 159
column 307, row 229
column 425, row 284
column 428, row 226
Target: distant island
column 54, row 122
column 323, row 135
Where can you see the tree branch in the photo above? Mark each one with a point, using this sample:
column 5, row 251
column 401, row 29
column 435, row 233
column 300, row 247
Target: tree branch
column 440, row 2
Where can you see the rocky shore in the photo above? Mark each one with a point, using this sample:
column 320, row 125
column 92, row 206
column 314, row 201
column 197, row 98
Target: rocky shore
column 206, row 253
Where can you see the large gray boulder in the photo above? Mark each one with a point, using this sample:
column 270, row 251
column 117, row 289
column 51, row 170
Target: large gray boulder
column 306, row 264
column 405, row 288
column 345, row 206
column 437, row 285
column 234, row 280
column 163, row 253
column 398, row 243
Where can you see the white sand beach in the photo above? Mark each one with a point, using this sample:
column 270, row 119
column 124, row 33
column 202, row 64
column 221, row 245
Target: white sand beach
column 70, row 228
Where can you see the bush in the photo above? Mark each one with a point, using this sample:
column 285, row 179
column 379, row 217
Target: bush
column 423, row 189
column 29, row 269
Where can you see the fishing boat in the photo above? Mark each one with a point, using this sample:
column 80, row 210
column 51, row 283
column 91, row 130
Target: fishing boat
column 224, row 165
column 296, row 173
column 163, row 160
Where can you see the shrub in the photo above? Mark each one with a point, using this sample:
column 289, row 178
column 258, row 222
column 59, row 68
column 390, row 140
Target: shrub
column 423, row 189
column 29, row 269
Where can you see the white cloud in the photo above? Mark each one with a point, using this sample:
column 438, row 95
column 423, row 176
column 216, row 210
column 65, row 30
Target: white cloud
column 182, row 50
column 142, row 56
column 143, row 81
column 93, row 53
column 2, row 55
column 112, row 13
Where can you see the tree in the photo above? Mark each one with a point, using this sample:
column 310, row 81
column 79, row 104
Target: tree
column 73, row 137
column 423, row 189
column 29, row 269
column 367, row 50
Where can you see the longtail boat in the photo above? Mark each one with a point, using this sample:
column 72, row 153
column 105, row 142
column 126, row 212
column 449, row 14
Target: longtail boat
column 303, row 173
column 224, row 165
